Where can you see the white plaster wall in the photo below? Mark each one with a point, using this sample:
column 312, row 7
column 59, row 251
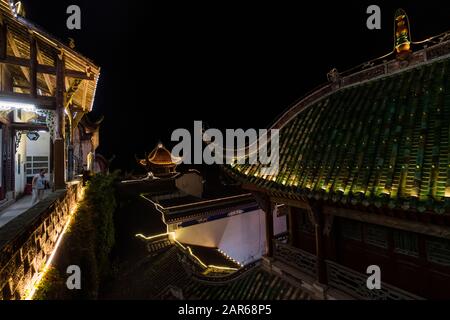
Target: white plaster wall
column 242, row 237
column 20, row 179
column 40, row 147
column 279, row 223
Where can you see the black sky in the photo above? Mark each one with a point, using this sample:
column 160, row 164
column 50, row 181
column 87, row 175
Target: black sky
column 229, row 63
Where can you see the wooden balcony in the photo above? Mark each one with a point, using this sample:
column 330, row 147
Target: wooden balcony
column 295, row 257
column 354, row 284
column 343, row 279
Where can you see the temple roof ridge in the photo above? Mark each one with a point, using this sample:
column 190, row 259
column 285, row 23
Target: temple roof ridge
column 368, row 71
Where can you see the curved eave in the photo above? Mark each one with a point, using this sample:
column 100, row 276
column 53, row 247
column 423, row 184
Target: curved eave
column 411, row 204
column 380, row 142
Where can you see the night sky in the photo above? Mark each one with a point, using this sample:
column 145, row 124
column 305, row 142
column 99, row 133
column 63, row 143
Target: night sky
column 232, row 65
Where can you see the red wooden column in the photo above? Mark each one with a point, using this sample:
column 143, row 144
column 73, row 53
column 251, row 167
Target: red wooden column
column 318, row 219
column 265, row 204
column 269, row 229
column 58, row 144
column 291, row 229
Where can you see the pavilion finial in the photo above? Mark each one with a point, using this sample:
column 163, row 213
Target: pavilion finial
column 402, row 34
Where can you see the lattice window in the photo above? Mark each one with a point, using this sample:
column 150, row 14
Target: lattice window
column 351, row 230
column 406, row 243
column 438, row 251
column 376, row 236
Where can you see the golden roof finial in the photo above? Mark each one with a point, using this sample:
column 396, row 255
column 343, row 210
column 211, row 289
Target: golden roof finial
column 402, row 34
column 72, row 43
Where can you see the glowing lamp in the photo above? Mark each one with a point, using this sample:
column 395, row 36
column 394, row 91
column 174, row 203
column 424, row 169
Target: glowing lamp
column 447, row 192
column 10, row 105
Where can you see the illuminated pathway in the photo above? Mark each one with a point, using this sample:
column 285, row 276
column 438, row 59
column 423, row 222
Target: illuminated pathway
column 16, row 209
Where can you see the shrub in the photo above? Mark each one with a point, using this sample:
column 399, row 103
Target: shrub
column 87, row 243
column 101, row 198
column 51, row 287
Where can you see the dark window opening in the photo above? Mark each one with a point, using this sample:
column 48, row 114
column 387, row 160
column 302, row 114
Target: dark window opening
column 406, row 243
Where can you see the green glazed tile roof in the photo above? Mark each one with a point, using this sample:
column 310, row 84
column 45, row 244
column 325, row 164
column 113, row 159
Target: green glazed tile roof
column 149, row 278
column 257, row 284
column 382, row 142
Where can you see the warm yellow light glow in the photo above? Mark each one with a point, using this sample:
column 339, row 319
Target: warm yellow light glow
column 204, row 265
column 189, row 250
column 447, row 192
column 140, row 235
column 222, row 268
column 230, row 258
column 41, row 275
column 8, row 105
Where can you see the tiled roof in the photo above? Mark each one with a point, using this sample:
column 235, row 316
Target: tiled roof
column 149, row 279
column 257, row 284
column 187, row 208
column 18, row 33
column 381, row 142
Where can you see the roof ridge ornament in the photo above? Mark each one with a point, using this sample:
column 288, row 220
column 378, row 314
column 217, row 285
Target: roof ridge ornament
column 402, row 35
column 17, row 8
column 333, row 75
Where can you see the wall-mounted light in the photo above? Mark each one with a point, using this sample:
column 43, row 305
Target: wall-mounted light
column 9, row 105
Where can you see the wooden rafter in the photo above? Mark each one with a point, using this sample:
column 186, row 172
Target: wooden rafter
column 45, row 69
column 3, row 39
column 73, row 115
column 47, row 80
column 70, row 93
column 83, row 103
column 12, row 43
column 66, row 81
column 77, row 119
column 33, row 67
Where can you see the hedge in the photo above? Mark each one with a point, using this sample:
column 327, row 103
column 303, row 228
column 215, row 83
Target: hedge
column 87, row 243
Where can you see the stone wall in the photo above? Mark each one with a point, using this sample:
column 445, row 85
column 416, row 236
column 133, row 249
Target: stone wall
column 27, row 242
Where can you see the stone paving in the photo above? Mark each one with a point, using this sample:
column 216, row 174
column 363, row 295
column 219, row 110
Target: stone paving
column 16, row 209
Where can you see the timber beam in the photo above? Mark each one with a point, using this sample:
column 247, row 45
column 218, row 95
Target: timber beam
column 33, row 67
column 23, row 126
column 45, row 69
column 42, row 102
column 264, row 203
column 439, row 231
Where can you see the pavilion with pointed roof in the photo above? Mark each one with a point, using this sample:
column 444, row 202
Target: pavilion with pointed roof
column 160, row 162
